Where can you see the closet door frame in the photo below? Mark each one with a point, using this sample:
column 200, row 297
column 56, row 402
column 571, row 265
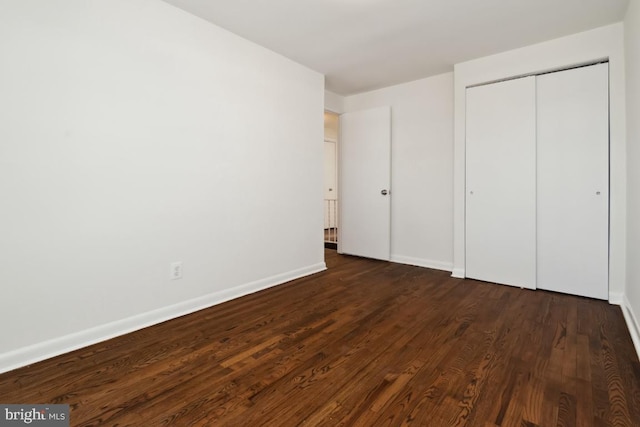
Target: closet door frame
column 600, row 203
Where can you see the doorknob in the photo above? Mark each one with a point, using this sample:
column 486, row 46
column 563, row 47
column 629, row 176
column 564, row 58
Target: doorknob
column 384, row 192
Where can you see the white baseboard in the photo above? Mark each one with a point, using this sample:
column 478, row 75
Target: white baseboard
column 458, row 273
column 632, row 323
column 37, row 352
column 616, row 298
column 419, row 262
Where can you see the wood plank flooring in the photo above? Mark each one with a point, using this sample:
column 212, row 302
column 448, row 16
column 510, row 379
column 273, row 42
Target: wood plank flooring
column 366, row 343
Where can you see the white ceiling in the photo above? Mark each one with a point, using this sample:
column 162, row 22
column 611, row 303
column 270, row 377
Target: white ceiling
column 367, row 44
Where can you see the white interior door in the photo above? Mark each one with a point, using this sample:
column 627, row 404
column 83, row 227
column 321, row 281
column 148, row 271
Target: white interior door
column 330, row 184
column 365, row 178
column 573, row 181
column 500, row 183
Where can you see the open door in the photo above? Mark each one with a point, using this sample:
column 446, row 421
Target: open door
column 365, row 183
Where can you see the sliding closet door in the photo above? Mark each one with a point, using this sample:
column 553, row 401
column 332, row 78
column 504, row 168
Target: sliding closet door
column 500, row 183
column 573, row 181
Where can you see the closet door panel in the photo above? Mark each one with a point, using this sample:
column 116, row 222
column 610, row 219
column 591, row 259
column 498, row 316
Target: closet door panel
column 573, row 181
column 500, row 183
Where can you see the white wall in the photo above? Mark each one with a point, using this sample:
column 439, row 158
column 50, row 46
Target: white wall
column 333, row 102
column 632, row 52
column 132, row 135
column 600, row 43
column 421, row 170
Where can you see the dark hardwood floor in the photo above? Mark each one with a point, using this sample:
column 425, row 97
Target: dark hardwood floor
column 365, row 343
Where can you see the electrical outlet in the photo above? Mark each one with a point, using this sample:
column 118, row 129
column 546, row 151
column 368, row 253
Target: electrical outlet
column 175, row 271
